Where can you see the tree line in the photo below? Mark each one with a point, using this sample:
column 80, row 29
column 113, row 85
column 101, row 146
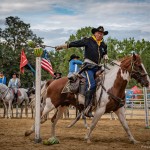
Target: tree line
column 15, row 37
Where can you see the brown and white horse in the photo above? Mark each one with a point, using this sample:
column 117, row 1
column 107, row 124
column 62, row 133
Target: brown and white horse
column 114, row 84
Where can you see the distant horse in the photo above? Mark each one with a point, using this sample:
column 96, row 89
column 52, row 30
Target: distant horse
column 7, row 96
column 23, row 101
column 110, row 96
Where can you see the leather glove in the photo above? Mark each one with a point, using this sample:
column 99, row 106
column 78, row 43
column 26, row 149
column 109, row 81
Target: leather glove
column 64, row 46
column 106, row 57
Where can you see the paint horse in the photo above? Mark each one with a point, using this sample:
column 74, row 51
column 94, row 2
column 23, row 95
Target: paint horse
column 111, row 99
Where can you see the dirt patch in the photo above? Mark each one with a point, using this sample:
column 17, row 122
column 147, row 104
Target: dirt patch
column 108, row 134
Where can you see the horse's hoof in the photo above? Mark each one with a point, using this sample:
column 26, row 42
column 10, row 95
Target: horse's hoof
column 89, row 141
column 28, row 132
column 69, row 126
column 135, row 142
column 88, row 128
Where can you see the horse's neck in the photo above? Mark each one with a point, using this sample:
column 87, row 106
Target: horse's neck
column 116, row 81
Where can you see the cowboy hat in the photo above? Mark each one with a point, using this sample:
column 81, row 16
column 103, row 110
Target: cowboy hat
column 73, row 56
column 99, row 29
column 15, row 74
column 57, row 73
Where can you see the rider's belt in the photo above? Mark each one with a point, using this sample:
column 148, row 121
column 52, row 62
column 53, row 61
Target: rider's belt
column 89, row 61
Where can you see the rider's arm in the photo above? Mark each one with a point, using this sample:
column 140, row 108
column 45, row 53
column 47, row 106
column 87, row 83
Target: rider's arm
column 78, row 62
column 9, row 84
column 19, row 83
column 104, row 52
column 79, row 43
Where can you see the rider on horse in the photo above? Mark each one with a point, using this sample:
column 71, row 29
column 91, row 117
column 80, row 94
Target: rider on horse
column 14, row 83
column 95, row 50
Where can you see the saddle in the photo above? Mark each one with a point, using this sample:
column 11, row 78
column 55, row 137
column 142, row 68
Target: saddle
column 16, row 95
column 77, row 83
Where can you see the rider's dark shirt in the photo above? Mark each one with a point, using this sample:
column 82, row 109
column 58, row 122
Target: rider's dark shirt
column 92, row 52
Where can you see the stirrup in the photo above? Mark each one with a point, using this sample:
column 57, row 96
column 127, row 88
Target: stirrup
column 87, row 112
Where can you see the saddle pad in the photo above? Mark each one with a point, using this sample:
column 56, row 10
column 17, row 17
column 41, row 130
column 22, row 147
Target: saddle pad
column 18, row 93
column 66, row 88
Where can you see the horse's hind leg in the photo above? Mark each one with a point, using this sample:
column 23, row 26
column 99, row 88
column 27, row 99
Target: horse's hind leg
column 121, row 115
column 56, row 117
column 48, row 107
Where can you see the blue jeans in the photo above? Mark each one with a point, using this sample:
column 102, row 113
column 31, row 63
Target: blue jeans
column 90, row 79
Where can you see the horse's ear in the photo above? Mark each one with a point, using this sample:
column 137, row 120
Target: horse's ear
column 134, row 56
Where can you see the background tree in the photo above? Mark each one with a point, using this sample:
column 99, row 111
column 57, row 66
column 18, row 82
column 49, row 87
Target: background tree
column 17, row 33
column 13, row 38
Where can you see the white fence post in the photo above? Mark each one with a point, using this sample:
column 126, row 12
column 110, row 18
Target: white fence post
column 146, row 107
column 38, row 100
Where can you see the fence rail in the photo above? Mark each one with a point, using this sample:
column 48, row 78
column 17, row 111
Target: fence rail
column 137, row 106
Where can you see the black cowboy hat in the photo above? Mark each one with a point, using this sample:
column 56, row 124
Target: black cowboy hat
column 99, row 29
column 73, row 56
column 57, row 73
column 15, row 74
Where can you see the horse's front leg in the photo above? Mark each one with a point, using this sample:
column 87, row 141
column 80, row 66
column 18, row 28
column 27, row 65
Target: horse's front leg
column 121, row 115
column 99, row 112
column 4, row 114
column 21, row 107
column 5, row 110
column 9, row 109
column 26, row 108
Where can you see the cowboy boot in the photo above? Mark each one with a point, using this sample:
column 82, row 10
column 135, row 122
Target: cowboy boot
column 88, row 103
column 15, row 98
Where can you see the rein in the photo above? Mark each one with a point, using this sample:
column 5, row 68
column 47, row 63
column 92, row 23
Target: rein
column 116, row 98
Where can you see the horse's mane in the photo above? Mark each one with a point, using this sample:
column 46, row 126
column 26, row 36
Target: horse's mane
column 125, row 61
column 3, row 85
column 112, row 65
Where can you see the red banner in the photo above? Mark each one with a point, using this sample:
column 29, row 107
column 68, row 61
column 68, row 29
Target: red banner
column 23, row 61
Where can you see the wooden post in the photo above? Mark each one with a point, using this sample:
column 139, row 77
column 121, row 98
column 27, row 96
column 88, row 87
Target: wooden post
column 38, row 52
column 146, row 107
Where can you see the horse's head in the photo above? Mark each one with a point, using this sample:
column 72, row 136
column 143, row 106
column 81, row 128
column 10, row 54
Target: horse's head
column 3, row 87
column 31, row 91
column 136, row 69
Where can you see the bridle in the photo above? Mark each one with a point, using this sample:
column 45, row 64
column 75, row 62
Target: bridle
column 133, row 72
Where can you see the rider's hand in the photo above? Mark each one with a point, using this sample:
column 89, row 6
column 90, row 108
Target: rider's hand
column 106, row 57
column 57, row 48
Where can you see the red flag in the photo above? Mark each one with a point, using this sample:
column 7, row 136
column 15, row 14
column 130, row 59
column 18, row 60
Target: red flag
column 23, row 61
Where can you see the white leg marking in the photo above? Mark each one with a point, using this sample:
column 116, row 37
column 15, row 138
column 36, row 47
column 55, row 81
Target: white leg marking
column 99, row 112
column 121, row 115
column 48, row 107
